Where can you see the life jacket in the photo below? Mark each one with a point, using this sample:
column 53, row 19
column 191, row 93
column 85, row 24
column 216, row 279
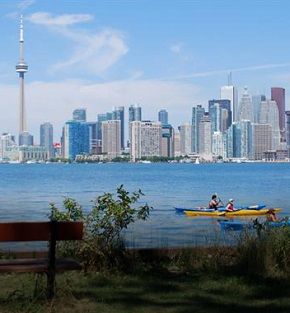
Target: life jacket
column 230, row 207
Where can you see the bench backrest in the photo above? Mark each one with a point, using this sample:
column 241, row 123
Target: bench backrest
column 40, row 231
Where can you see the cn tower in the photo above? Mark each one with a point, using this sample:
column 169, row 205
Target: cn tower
column 21, row 68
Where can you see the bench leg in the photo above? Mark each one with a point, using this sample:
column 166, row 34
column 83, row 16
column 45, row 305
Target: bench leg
column 50, row 285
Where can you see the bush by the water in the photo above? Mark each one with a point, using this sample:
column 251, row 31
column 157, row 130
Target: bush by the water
column 102, row 246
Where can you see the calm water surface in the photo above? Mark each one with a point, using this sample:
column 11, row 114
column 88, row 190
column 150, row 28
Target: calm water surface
column 27, row 189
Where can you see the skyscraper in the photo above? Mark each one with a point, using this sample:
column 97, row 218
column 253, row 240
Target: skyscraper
column 278, row 95
column 111, row 138
column 135, row 114
column 185, row 131
column 205, row 136
column 269, row 114
column 21, row 68
column 220, row 114
column 246, row 108
column 75, row 139
column 93, row 142
column 262, row 140
column 146, row 139
column 231, row 93
column 167, row 145
column 197, row 114
column 163, row 117
column 46, row 138
column 256, row 102
column 80, row 115
column 118, row 114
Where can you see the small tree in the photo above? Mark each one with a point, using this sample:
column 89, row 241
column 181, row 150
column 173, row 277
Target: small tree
column 103, row 244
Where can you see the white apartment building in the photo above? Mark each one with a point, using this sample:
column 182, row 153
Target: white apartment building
column 185, row 139
column 146, row 139
column 111, row 138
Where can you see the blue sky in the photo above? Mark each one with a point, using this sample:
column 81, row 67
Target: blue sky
column 159, row 54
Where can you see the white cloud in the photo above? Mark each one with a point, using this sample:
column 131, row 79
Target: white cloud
column 176, row 48
column 93, row 52
column 24, row 4
column 55, row 102
column 47, row 19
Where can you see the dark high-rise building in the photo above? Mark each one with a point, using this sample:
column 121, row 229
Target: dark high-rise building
column 46, row 138
column 220, row 114
column 278, row 95
column 93, row 142
column 25, row 139
column 118, row 114
column 197, row 115
column 135, row 113
column 80, row 115
column 163, row 117
column 256, row 102
column 76, row 139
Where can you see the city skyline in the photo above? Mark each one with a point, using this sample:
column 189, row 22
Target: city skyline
column 122, row 76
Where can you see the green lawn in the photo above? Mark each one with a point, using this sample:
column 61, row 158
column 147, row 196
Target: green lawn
column 178, row 293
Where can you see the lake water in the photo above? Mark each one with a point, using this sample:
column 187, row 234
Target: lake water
column 27, row 189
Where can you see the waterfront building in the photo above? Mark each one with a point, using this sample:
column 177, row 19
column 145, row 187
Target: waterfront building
column 111, row 138
column 262, row 141
column 205, row 137
column 242, row 139
column 220, row 114
column 46, row 138
column 278, row 95
column 93, row 141
column 269, row 114
column 185, row 131
column 167, row 144
column 229, row 142
column 231, row 93
column 163, row 117
column 146, row 139
column 80, row 115
column 75, row 139
column 25, row 139
column 135, row 114
column 218, row 148
column 197, row 114
column 177, row 144
column 214, row 112
column 7, row 140
column 288, row 131
column 118, row 114
column 246, row 109
column 256, row 102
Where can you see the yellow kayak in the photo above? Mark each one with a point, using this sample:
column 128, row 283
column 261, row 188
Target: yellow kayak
column 250, row 212
column 205, row 213
column 242, row 212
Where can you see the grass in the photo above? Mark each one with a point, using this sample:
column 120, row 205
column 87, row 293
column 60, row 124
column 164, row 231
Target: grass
column 164, row 292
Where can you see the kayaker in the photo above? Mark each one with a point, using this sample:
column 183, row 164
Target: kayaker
column 271, row 216
column 230, row 206
column 214, row 203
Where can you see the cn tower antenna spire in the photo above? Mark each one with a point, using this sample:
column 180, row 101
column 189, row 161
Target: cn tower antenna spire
column 21, row 68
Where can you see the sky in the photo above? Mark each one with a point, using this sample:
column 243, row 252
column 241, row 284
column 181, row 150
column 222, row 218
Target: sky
column 157, row 54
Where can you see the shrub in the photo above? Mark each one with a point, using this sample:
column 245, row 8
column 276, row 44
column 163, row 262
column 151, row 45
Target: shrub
column 102, row 246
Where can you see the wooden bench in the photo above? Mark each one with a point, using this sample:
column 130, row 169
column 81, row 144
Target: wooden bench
column 41, row 231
